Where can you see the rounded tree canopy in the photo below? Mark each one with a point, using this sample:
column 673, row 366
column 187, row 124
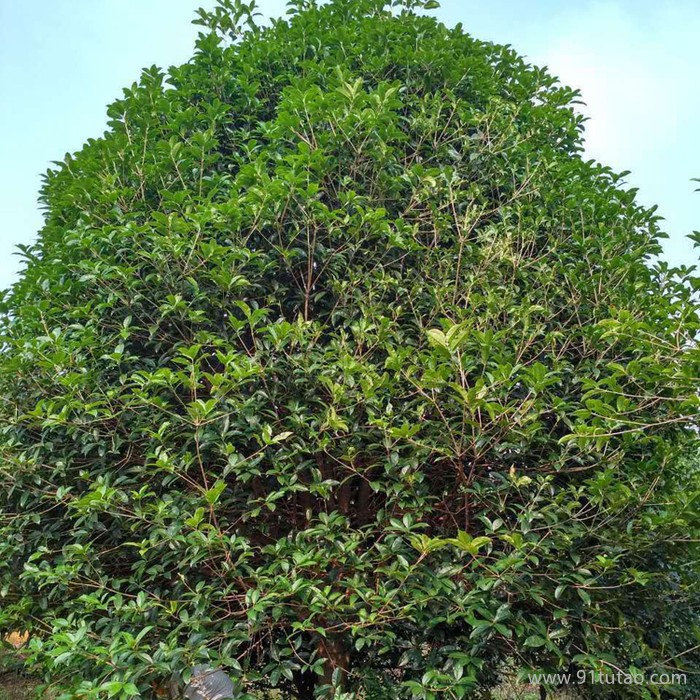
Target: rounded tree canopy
column 338, row 367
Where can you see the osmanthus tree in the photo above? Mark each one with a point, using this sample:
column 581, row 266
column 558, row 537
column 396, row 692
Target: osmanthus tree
column 338, row 367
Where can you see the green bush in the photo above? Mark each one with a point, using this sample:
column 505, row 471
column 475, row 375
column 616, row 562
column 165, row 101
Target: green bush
column 337, row 366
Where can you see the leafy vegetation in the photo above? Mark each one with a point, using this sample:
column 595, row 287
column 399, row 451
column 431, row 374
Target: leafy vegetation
column 336, row 366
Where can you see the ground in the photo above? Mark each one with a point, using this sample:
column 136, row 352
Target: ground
column 15, row 687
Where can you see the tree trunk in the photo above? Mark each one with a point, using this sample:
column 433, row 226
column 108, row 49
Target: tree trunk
column 337, row 659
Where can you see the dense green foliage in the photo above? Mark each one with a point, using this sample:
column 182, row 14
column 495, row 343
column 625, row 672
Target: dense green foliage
column 337, row 366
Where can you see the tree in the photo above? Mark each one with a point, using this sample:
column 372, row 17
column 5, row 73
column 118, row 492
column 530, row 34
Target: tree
column 336, row 366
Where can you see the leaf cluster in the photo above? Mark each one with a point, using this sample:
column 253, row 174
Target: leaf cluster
column 336, row 366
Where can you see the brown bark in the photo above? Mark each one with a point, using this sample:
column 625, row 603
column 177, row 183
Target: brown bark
column 344, row 495
column 363, row 495
column 336, row 659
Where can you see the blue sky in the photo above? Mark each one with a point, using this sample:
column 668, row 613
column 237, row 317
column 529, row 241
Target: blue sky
column 636, row 61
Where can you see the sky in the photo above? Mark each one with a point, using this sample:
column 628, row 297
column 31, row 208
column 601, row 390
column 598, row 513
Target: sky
column 635, row 61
